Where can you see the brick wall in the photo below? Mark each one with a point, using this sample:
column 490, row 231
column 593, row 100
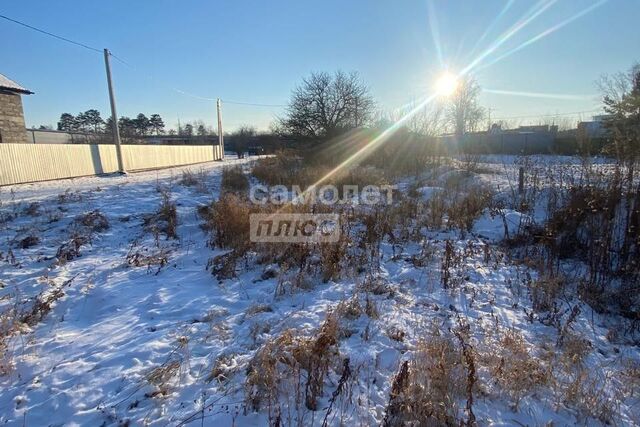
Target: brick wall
column 12, row 129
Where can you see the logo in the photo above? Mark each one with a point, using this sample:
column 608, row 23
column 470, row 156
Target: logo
column 294, row 228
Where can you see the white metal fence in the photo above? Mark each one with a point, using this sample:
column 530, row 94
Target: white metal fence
column 20, row 163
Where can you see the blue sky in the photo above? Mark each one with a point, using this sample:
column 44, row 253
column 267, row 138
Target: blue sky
column 257, row 51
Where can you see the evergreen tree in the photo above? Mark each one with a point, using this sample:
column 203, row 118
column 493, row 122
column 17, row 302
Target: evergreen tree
column 156, row 123
column 92, row 121
column 67, row 122
column 141, row 124
column 126, row 126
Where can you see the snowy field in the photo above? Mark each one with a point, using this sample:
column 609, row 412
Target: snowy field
column 133, row 329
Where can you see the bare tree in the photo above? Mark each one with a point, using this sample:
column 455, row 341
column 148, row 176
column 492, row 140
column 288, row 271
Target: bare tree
column 326, row 105
column 463, row 111
column 427, row 121
column 615, row 87
column 621, row 98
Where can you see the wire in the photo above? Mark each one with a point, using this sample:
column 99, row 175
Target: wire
column 253, row 104
column 51, row 34
column 149, row 76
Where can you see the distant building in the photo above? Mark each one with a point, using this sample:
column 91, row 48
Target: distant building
column 12, row 128
column 50, row 136
column 594, row 128
column 522, row 140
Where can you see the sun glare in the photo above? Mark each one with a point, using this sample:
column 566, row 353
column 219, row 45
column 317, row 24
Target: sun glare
column 446, row 84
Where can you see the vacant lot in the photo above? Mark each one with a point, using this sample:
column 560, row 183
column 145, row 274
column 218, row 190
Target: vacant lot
column 138, row 299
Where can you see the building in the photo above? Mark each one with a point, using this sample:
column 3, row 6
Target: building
column 523, row 140
column 49, row 136
column 594, row 128
column 12, row 128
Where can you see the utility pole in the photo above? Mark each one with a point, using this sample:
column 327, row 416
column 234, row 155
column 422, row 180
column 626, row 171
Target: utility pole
column 220, row 135
column 114, row 114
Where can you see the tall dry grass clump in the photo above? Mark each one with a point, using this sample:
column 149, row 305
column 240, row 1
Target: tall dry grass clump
column 426, row 389
column 292, row 368
column 234, row 180
column 165, row 219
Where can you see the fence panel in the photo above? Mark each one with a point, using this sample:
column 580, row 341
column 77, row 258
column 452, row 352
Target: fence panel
column 20, row 163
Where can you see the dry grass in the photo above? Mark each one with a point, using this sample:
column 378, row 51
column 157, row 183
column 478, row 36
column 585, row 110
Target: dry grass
column 194, row 179
column 165, row 220
column 426, row 389
column 33, row 209
column 279, row 362
column 148, row 258
column 586, row 392
column 463, row 211
column 228, row 221
column 545, row 291
column 285, row 168
column 514, row 368
column 162, row 377
column 70, row 249
column 8, row 326
column 257, row 309
column 234, row 180
column 333, row 256
column 28, row 241
column 223, row 367
column 95, row 221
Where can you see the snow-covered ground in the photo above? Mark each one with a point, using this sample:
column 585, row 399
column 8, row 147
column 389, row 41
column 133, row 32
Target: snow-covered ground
column 93, row 358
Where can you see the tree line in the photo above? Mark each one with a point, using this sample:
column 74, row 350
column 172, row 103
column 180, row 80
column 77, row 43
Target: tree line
column 92, row 121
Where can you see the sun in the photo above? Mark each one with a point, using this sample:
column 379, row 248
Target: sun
column 446, row 84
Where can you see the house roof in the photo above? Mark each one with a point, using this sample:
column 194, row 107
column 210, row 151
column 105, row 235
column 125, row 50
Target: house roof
column 8, row 84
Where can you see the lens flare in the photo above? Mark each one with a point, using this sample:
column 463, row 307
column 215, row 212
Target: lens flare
column 446, row 84
column 544, row 34
column 532, row 14
column 560, row 96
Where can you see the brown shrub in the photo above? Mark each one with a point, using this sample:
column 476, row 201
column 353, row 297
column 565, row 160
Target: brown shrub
column 234, row 180
column 586, row 392
column 463, row 211
column 280, row 360
column 228, row 221
column 94, row 220
column 70, row 249
column 33, row 209
column 8, row 326
column 426, row 389
column 29, row 241
column 514, row 368
column 165, row 220
column 545, row 291
column 146, row 258
column 194, row 179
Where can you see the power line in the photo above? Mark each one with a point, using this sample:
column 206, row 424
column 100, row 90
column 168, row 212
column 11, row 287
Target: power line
column 150, row 77
column 185, row 93
column 253, row 104
column 182, row 92
column 51, row 34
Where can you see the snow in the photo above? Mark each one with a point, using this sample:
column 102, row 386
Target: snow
column 496, row 226
column 88, row 361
